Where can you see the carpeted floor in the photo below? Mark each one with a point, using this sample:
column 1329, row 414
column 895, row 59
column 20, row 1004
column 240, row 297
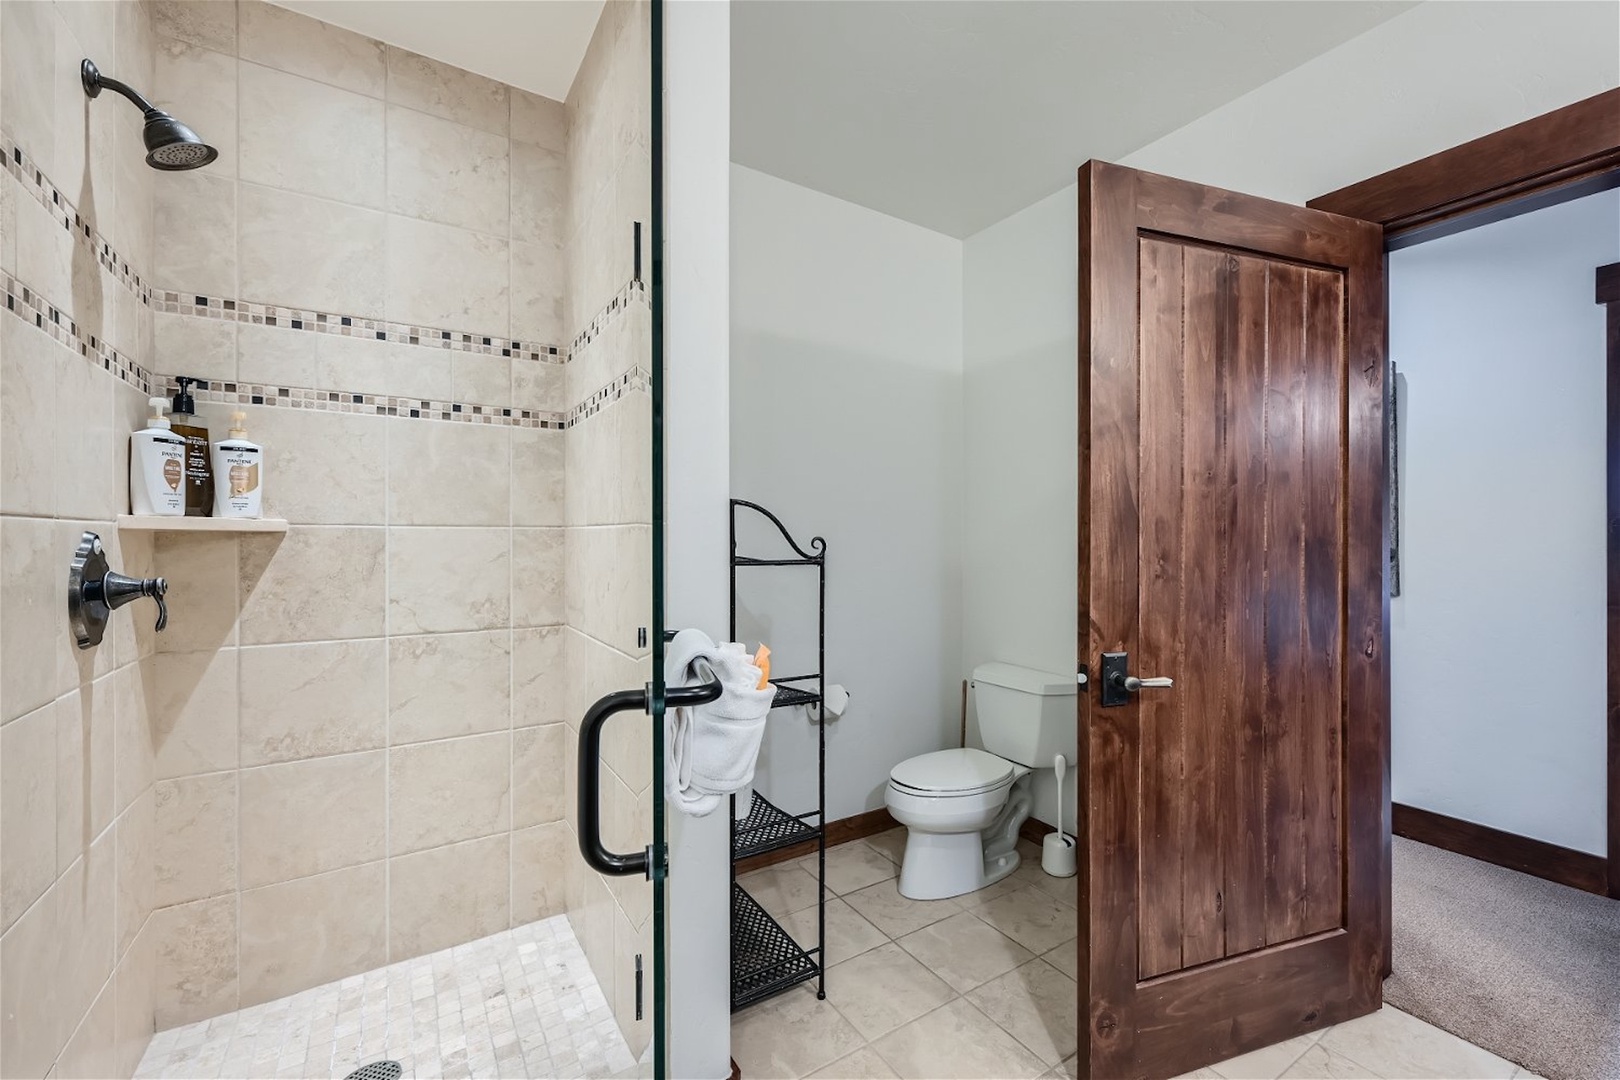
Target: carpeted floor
column 1525, row 968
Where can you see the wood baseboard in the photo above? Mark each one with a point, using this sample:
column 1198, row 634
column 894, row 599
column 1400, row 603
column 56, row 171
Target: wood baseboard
column 1577, row 869
column 841, row 831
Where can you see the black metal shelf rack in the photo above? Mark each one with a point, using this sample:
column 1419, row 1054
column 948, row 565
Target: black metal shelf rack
column 765, row 960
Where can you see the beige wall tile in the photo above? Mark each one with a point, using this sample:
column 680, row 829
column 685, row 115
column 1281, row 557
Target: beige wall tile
column 609, row 575
column 199, row 85
column 44, row 256
column 539, row 386
column 91, row 1052
column 135, row 854
column 27, row 57
column 444, row 792
column 479, row 379
column 448, row 895
column 422, row 256
column 537, row 577
column 85, row 960
column 539, row 120
column 448, row 579
column 308, row 817
column 84, row 767
column 538, row 678
column 196, row 838
column 303, row 933
column 302, row 701
column 28, row 366
column 193, row 710
column 537, row 474
column 318, row 583
column 31, row 620
column 202, row 575
column 195, row 947
column 539, row 760
column 275, row 355
column 191, row 345
column 613, row 482
column 443, row 685
column 301, row 45
column 280, row 229
column 628, row 942
column 209, row 25
column 86, row 446
column 447, row 473
column 538, row 286
column 324, row 468
column 134, row 985
column 305, row 136
column 33, row 1025
column 541, row 859
column 439, row 170
column 449, row 92
column 27, row 811
column 539, row 188
column 194, row 234
column 376, row 367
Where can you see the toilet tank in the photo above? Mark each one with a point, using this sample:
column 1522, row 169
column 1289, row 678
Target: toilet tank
column 1025, row 715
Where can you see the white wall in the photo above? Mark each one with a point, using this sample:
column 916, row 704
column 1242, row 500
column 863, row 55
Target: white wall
column 846, row 418
column 1498, row 649
column 1436, row 76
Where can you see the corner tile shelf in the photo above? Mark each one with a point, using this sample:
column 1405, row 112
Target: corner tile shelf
column 158, row 523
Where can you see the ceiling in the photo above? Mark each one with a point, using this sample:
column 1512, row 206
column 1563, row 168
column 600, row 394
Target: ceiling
column 953, row 115
column 537, row 46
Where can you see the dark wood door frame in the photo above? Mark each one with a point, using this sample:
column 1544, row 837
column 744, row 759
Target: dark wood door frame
column 1559, row 155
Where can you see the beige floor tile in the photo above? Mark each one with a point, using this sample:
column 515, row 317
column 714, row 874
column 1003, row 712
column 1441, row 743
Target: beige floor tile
column 851, row 867
column 1065, row 889
column 1320, row 1063
column 884, row 907
column 1032, row 918
column 974, row 900
column 884, row 988
column 781, row 889
column 956, row 1040
column 964, row 951
column 1200, row 1074
column 1037, row 1005
column 1521, row 1073
column 790, row 1036
column 1268, row 1062
column 891, row 845
column 848, row 934
column 1069, row 1070
column 1393, row 1044
column 863, row 1064
column 1066, row 958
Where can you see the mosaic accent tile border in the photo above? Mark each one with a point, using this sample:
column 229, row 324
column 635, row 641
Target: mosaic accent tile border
column 633, row 292
column 35, row 183
column 29, row 306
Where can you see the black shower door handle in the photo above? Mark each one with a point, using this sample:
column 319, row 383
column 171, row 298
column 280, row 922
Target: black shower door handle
column 591, row 847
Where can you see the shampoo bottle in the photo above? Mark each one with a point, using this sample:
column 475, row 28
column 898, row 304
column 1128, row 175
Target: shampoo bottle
column 239, row 471
column 157, row 466
column 199, row 476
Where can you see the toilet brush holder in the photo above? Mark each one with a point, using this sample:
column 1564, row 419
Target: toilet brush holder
column 1058, row 855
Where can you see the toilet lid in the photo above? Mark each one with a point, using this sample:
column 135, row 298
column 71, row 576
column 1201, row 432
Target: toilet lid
column 963, row 771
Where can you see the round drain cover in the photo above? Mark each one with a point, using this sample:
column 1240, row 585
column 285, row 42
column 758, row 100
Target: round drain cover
column 377, row 1070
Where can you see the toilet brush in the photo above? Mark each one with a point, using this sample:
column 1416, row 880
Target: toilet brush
column 1058, row 849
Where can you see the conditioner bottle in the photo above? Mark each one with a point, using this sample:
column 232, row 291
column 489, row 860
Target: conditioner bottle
column 238, row 473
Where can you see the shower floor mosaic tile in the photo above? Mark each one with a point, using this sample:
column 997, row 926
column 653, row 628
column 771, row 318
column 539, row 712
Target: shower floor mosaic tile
column 522, row 1003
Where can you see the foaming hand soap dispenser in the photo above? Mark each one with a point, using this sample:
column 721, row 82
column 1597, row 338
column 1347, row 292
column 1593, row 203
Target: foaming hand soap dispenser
column 157, row 466
column 238, row 473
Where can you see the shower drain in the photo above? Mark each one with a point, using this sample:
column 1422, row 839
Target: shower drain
column 377, row 1070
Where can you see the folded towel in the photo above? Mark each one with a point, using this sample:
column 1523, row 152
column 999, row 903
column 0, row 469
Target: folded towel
column 710, row 749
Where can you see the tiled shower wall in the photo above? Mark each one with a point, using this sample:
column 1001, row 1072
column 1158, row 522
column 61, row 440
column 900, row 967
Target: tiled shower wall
column 608, row 497
column 76, row 793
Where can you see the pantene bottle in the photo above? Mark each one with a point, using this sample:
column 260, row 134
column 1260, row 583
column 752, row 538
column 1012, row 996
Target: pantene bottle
column 238, row 473
column 157, row 466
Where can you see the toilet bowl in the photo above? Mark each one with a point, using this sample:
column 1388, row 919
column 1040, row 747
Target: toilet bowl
column 961, row 809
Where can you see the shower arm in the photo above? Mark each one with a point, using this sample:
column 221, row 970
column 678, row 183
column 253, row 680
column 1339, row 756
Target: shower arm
column 95, row 82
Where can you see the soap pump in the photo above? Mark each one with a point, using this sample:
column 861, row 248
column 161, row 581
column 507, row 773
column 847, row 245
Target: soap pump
column 186, row 424
column 157, row 466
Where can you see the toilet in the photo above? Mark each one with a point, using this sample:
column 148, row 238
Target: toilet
column 962, row 808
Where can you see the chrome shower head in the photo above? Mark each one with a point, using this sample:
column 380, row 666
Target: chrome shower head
column 170, row 145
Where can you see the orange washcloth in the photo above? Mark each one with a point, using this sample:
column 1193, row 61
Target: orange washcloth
column 762, row 660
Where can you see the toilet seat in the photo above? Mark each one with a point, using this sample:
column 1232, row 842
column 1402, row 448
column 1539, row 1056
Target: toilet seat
column 951, row 773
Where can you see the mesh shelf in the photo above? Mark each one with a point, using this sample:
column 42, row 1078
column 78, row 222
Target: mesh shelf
column 792, row 695
column 764, row 960
column 768, row 828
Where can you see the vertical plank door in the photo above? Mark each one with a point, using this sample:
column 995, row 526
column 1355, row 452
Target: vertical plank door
column 1232, row 531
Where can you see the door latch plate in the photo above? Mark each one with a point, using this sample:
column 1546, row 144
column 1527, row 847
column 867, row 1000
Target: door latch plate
column 1115, row 666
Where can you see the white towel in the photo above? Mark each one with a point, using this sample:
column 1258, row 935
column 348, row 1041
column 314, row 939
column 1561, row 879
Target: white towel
column 710, row 750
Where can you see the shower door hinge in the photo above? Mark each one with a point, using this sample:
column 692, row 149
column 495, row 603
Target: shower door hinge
column 641, row 637
column 638, row 986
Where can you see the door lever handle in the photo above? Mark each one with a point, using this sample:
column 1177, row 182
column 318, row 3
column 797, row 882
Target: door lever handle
column 1118, row 684
column 1159, row 682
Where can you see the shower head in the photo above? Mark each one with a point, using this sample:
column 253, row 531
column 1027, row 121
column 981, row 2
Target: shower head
column 170, row 145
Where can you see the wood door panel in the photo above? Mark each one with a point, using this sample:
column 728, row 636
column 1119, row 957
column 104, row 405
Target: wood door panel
column 1232, row 538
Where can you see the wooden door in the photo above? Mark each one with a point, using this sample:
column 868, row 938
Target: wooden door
column 1235, row 878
